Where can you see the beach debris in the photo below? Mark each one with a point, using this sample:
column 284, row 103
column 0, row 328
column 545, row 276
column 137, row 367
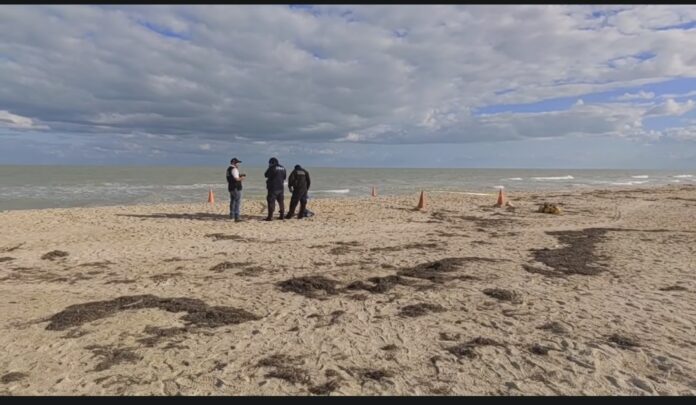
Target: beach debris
column 674, row 288
column 220, row 267
column 285, row 368
column 6, row 259
column 112, row 356
column 416, row 310
column 578, row 256
column 54, row 254
column 549, row 208
column 450, row 336
column 198, row 312
column 165, row 276
column 555, row 327
column 326, row 388
column 343, row 247
column 309, row 286
column 434, row 270
column 222, row 236
column 379, row 284
column 11, row 248
column 623, row 342
column 159, row 334
column 389, row 347
column 503, row 295
column 467, row 349
column 101, row 265
column 539, row 349
column 12, row 377
column 380, row 375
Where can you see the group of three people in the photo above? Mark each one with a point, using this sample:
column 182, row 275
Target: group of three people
column 298, row 183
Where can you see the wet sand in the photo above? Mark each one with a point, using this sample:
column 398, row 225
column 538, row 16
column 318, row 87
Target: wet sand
column 369, row 297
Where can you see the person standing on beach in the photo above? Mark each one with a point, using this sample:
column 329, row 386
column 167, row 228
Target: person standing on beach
column 275, row 177
column 234, row 186
column 298, row 183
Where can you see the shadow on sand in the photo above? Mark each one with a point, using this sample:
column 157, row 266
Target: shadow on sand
column 200, row 216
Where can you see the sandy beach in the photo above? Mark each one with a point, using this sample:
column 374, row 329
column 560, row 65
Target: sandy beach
column 369, row 297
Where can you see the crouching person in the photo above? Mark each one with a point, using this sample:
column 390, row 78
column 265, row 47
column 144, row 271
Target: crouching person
column 298, row 183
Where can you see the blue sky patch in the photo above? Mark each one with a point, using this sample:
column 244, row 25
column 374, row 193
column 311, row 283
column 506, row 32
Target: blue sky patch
column 163, row 31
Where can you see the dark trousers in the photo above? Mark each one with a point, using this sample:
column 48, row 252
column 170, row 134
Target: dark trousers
column 271, row 199
column 301, row 197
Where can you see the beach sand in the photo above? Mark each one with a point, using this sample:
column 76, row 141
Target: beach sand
column 369, row 297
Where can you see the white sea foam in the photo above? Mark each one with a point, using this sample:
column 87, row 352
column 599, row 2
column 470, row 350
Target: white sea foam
column 514, row 179
column 499, row 187
column 191, row 186
column 554, row 178
column 628, row 183
column 341, row 191
column 683, row 176
column 640, row 177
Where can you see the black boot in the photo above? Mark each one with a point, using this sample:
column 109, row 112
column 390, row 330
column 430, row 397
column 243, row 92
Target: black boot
column 290, row 215
column 281, row 215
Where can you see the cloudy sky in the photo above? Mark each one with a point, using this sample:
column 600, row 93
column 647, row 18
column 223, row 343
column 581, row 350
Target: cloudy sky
column 383, row 86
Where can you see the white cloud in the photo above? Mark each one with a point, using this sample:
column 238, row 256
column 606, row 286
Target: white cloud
column 641, row 95
column 394, row 74
column 671, row 107
column 14, row 121
column 204, row 146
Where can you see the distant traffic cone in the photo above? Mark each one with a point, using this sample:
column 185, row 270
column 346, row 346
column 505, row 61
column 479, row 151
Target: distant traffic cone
column 211, row 197
column 500, row 202
column 421, row 201
column 374, row 192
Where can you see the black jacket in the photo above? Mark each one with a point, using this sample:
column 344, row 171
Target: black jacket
column 299, row 180
column 232, row 184
column 275, row 176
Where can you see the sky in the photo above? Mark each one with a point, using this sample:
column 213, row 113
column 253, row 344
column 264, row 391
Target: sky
column 510, row 86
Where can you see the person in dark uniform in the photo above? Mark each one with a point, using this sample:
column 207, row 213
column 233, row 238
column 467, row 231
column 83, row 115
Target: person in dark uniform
column 298, row 183
column 234, row 186
column 275, row 177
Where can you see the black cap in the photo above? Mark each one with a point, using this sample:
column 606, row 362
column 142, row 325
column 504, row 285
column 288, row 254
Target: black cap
column 273, row 161
column 235, row 160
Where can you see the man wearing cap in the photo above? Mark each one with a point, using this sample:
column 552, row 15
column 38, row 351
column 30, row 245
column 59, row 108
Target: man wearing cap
column 234, row 186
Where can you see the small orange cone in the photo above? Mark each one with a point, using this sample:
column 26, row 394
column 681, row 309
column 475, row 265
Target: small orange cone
column 374, row 192
column 421, row 202
column 211, row 197
column 500, row 202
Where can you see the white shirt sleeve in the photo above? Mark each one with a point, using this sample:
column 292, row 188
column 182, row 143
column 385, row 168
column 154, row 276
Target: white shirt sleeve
column 235, row 173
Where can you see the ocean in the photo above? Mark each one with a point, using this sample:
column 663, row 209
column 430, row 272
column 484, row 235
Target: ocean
column 30, row 187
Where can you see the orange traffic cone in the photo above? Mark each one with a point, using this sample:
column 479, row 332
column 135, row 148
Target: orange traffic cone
column 500, row 202
column 374, row 192
column 421, row 202
column 211, row 197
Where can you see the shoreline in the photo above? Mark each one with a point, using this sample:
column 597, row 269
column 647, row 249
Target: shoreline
column 260, row 199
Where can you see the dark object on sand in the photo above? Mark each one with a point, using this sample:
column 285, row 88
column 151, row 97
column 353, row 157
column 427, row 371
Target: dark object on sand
column 503, row 295
column 198, row 312
column 54, row 254
column 12, row 377
column 309, row 286
column 624, row 342
column 420, row 309
column 549, row 208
